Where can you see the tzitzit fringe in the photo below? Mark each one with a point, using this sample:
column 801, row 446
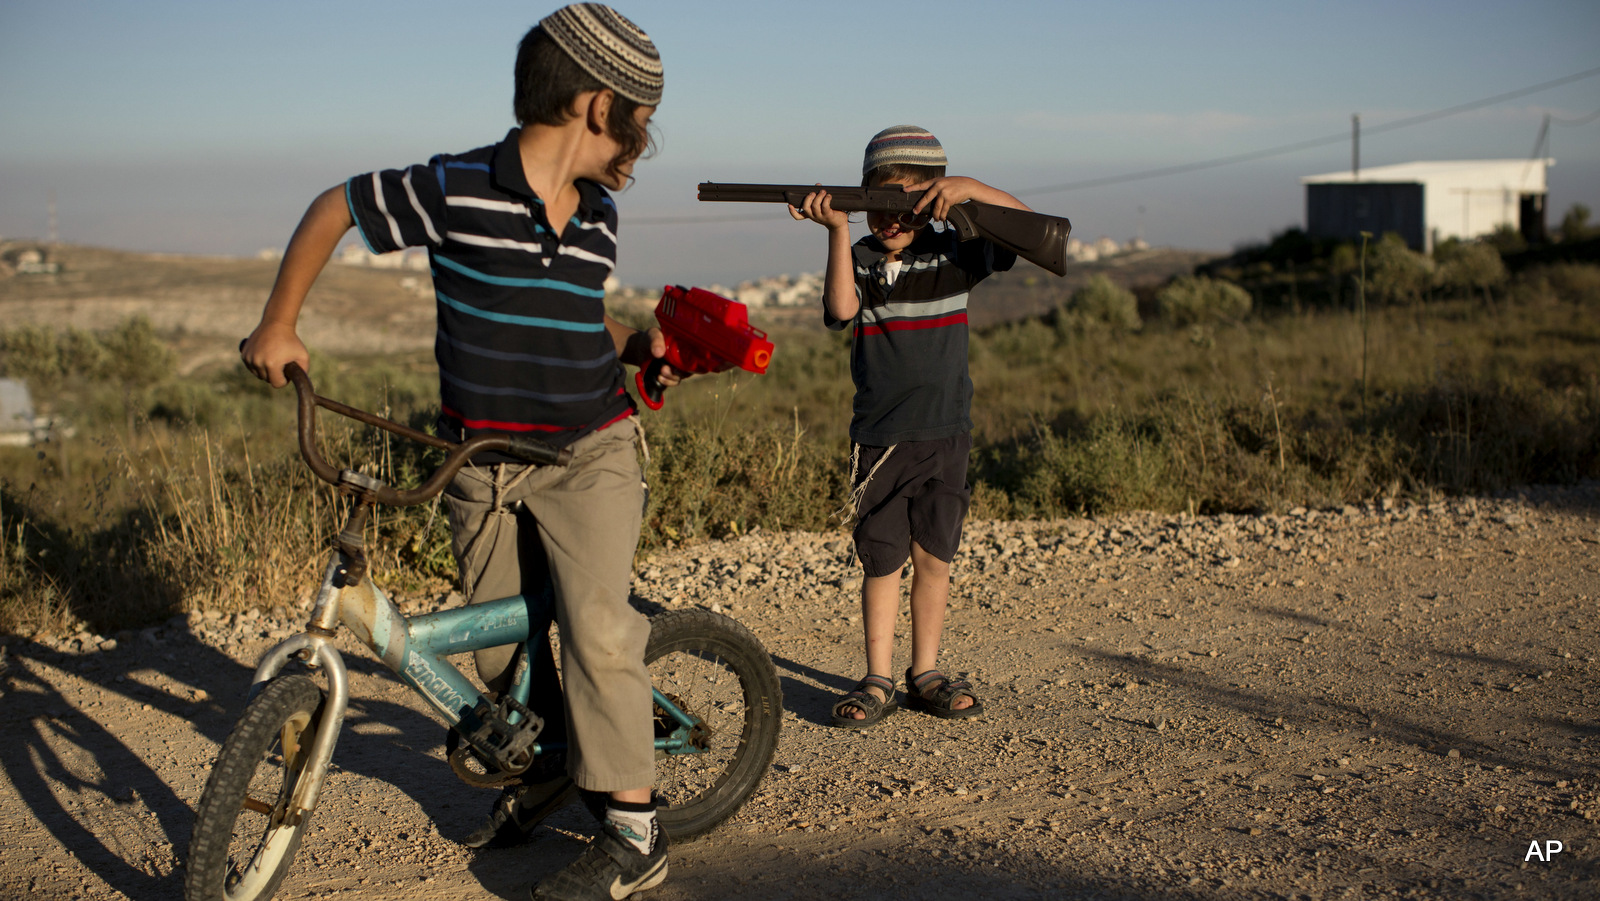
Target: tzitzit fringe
column 500, row 490
column 852, row 504
column 644, row 446
column 644, row 449
column 497, row 508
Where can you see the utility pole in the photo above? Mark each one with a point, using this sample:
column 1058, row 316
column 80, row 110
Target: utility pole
column 53, row 233
column 1355, row 146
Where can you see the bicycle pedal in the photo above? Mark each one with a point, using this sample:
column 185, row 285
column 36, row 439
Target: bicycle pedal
column 496, row 752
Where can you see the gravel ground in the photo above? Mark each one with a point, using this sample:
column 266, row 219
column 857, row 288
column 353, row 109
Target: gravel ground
column 1390, row 700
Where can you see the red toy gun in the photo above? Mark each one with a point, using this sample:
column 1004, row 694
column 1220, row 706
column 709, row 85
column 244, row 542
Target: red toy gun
column 705, row 333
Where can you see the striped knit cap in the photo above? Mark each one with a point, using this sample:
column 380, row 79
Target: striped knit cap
column 906, row 144
column 609, row 47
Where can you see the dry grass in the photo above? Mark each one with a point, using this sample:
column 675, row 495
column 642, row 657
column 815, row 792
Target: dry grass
column 200, row 500
column 168, row 520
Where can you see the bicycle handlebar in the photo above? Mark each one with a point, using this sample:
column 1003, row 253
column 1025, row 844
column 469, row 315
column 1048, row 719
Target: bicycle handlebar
column 530, row 449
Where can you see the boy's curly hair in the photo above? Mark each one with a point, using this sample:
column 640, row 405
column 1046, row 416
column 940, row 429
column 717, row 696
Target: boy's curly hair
column 548, row 81
column 893, row 171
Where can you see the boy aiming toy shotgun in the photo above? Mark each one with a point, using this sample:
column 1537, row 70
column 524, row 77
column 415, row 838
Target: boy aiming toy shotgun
column 522, row 236
column 903, row 291
column 1037, row 238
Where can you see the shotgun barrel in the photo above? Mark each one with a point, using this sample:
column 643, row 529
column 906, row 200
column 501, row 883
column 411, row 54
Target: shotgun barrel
column 1036, row 237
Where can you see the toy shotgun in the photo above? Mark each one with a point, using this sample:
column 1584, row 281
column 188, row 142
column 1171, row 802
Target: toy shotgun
column 704, row 332
column 1037, row 238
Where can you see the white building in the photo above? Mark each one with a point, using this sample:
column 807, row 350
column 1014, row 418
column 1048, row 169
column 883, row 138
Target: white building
column 1101, row 248
column 776, row 291
column 1428, row 202
column 19, row 427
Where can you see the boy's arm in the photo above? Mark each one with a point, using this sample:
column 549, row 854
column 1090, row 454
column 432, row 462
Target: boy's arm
column 944, row 193
column 274, row 343
column 839, row 296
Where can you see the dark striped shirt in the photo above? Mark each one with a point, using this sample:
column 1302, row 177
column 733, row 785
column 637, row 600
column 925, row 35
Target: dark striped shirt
column 522, row 344
column 909, row 353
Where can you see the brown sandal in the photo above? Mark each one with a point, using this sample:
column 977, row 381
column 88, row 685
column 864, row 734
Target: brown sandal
column 866, row 702
column 932, row 692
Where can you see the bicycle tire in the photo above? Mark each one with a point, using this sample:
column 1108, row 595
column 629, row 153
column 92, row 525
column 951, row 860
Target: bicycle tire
column 716, row 669
column 236, row 853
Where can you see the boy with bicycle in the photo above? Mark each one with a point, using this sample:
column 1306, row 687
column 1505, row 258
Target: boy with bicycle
column 522, row 236
column 904, row 289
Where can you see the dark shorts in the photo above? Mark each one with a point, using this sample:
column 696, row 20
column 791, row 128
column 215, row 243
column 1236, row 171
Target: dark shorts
column 919, row 494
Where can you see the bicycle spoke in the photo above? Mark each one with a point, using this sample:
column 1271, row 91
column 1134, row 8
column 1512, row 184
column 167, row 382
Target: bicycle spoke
column 706, row 688
column 720, row 678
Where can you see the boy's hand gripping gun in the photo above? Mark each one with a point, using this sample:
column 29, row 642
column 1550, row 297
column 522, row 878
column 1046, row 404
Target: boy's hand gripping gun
column 704, row 333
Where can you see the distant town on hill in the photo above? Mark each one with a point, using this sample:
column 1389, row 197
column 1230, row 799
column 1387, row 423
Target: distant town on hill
column 771, row 291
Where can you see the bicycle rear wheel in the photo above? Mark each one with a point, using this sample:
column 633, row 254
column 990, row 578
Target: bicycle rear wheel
column 242, row 844
column 714, row 669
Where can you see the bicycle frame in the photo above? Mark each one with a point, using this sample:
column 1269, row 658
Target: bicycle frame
column 414, row 649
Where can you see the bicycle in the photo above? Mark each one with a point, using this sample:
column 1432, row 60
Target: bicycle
column 717, row 710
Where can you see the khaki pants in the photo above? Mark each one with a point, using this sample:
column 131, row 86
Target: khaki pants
column 587, row 518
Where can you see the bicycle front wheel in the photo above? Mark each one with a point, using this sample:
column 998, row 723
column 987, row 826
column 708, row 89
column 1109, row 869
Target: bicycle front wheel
column 716, row 671
column 243, row 842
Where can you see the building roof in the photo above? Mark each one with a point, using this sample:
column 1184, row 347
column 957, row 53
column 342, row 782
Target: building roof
column 1509, row 172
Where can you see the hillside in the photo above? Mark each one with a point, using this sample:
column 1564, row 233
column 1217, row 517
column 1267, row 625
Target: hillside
column 206, row 304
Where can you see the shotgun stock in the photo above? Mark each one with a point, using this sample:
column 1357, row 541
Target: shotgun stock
column 1037, row 238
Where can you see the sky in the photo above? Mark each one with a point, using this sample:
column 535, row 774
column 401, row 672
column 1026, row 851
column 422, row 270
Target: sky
column 206, row 127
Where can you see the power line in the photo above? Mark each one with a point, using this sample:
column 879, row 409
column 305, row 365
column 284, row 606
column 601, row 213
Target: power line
column 1581, row 121
column 694, row 220
column 1541, row 144
column 1314, row 142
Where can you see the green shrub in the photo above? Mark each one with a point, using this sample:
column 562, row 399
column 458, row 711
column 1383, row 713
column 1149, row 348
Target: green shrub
column 111, row 373
column 1570, row 282
column 1395, row 272
column 134, row 356
column 32, row 353
column 1506, row 239
column 1113, row 464
column 1100, row 302
column 86, row 355
column 1575, row 225
column 129, row 354
column 1198, row 300
column 1466, row 268
column 710, row 480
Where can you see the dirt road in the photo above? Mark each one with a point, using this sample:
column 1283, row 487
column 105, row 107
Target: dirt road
column 1325, row 704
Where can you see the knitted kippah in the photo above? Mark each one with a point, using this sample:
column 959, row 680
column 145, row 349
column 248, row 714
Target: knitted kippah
column 609, row 47
column 905, row 144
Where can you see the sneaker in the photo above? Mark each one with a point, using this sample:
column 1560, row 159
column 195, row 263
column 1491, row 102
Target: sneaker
column 609, row 871
column 518, row 810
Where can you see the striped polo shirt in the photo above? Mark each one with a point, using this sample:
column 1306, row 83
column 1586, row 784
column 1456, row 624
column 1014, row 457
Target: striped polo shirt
column 522, row 344
column 909, row 353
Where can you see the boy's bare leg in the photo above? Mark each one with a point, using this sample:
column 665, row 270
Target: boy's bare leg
column 880, row 604
column 632, row 796
column 930, row 597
